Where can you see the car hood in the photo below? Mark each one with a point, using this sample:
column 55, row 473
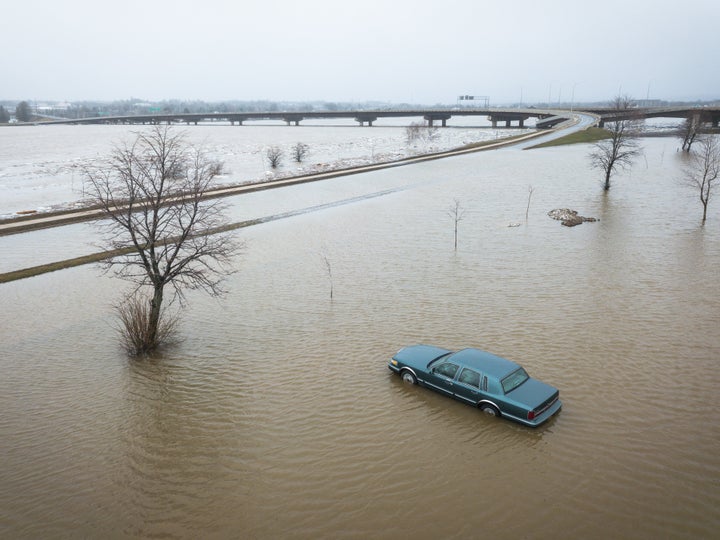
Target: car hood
column 533, row 393
column 419, row 356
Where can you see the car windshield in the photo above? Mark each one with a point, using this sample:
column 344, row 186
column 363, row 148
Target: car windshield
column 515, row 379
column 437, row 360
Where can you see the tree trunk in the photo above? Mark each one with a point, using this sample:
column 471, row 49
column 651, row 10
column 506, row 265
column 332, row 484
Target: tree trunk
column 154, row 321
column 606, row 187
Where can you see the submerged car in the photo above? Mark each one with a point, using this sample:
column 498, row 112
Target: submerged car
column 499, row 387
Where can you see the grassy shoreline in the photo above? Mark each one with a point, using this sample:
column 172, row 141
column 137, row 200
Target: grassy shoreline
column 589, row 135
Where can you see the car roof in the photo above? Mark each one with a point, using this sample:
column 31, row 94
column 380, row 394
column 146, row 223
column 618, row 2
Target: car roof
column 486, row 362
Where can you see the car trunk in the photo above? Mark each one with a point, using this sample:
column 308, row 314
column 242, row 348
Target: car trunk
column 535, row 394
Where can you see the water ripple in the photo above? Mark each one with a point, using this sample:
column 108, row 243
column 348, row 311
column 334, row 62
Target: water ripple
column 276, row 416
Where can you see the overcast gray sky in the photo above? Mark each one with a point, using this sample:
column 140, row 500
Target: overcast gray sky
column 417, row 51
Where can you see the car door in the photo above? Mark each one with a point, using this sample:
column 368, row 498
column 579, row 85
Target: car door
column 467, row 387
column 441, row 377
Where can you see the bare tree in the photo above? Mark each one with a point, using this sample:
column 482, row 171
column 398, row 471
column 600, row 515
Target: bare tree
column 419, row 132
column 432, row 134
column 299, row 151
column 152, row 193
column 274, row 155
column 412, row 132
column 457, row 213
column 527, row 210
column 688, row 131
column 703, row 170
column 621, row 146
column 328, row 268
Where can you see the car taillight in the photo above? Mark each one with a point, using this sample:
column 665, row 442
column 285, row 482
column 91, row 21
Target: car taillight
column 531, row 415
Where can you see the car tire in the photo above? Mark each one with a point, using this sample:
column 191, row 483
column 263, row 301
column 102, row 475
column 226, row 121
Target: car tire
column 408, row 377
column 490, row 410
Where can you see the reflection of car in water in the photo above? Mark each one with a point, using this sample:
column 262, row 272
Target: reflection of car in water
column 499, row 387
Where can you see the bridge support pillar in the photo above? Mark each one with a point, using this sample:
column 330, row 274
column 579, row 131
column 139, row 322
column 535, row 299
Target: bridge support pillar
column 366, row 118
column 437, row 116
column 508, row 118
column 293, row 119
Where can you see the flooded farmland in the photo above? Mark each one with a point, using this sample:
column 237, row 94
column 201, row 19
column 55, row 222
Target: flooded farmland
column 276, row 415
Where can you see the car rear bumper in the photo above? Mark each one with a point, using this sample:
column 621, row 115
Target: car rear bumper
column 541, row 419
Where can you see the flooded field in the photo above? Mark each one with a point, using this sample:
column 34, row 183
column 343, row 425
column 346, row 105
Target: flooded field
column 276, row 416
column 41, row 167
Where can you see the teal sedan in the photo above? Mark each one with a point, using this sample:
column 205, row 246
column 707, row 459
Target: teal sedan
column 497, row 386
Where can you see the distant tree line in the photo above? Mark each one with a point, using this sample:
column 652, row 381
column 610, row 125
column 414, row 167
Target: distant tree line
column 128, row 107
column 23, row 113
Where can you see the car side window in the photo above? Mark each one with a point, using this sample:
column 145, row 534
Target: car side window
column 484, row 386
column 447, row 369
column 468, row 376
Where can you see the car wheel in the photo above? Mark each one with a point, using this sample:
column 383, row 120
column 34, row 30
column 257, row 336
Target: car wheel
column 408, row 377
column 490, row 410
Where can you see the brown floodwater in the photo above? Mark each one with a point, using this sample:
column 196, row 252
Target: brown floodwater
column 276, row 415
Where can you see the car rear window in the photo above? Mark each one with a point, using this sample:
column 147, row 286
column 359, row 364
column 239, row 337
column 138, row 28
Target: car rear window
column 515, row 379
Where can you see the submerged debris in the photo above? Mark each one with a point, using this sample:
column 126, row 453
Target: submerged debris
column 568, row 217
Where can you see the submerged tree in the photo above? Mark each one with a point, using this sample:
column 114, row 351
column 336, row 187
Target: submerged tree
column 153, row 195
column 456, row 212
column 299, row 151
column 421, row 132
column 703, row 170
column 274, row 156
column 328, row 269
column 620, row 147
column 527, row 210
column 688, row 131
